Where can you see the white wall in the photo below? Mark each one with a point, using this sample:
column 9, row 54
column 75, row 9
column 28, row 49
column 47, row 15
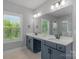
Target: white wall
column 26, row 20
column 74, row 28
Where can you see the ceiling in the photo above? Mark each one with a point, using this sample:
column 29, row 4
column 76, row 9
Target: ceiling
column 61, row 12
column 32, row 4
column 64, row 11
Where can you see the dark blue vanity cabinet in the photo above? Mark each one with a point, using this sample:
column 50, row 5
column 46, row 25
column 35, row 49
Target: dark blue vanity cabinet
column 50, row 53
column 51, row 50
column 33, row 44
column 45, row 52
column 36, row 45
column 29, row 43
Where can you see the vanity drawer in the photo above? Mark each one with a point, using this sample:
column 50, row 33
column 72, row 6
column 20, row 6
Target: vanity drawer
column 50, row 44
column 61, row 48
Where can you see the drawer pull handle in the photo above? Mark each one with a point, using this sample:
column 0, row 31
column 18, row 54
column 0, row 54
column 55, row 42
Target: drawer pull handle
column 60, row 47
column 49, row 51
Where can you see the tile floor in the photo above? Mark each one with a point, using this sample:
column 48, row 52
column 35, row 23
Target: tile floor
column 21, row 53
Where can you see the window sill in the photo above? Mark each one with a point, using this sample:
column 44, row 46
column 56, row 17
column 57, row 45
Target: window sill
column 11, row 41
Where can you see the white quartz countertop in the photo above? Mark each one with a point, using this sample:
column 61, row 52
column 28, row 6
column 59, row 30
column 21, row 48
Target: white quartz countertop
column 63, row 40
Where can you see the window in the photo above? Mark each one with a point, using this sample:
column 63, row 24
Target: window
column 54, row 27
column 67, row 28
column 12, row 27
column 45, row 26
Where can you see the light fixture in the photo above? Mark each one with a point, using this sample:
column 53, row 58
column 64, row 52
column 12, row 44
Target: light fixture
column 37, row 15
column 57, row 5
column 52, row 7
column 63, row 2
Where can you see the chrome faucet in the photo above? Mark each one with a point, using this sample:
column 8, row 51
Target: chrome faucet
column 58, row 35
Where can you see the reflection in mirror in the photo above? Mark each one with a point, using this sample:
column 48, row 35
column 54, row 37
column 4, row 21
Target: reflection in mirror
column 45, row 26
column 55, row 28
column 66, row 26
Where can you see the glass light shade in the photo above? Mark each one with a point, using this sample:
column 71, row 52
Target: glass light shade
column 39, row 14
column 63, row 2
column 35, row 15
column 52, row 7
column 56, row 5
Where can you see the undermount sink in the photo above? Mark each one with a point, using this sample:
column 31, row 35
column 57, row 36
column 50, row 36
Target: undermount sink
column 43, row 35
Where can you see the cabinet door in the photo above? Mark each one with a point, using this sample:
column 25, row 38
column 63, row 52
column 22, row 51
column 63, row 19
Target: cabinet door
column 31, row 43
column 36, row 45
column 57, row 55
column 45, row 52
column 27, row 41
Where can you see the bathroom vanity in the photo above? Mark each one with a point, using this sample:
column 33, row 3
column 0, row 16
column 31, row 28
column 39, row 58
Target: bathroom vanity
column 58, row 23
column 33, row 44
column 50, row 47
column 53, row 50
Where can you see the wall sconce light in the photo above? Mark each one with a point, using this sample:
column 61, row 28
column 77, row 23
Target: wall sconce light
column 28, row 26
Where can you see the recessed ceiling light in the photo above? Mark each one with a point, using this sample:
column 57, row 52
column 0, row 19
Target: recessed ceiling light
column 52, row 7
